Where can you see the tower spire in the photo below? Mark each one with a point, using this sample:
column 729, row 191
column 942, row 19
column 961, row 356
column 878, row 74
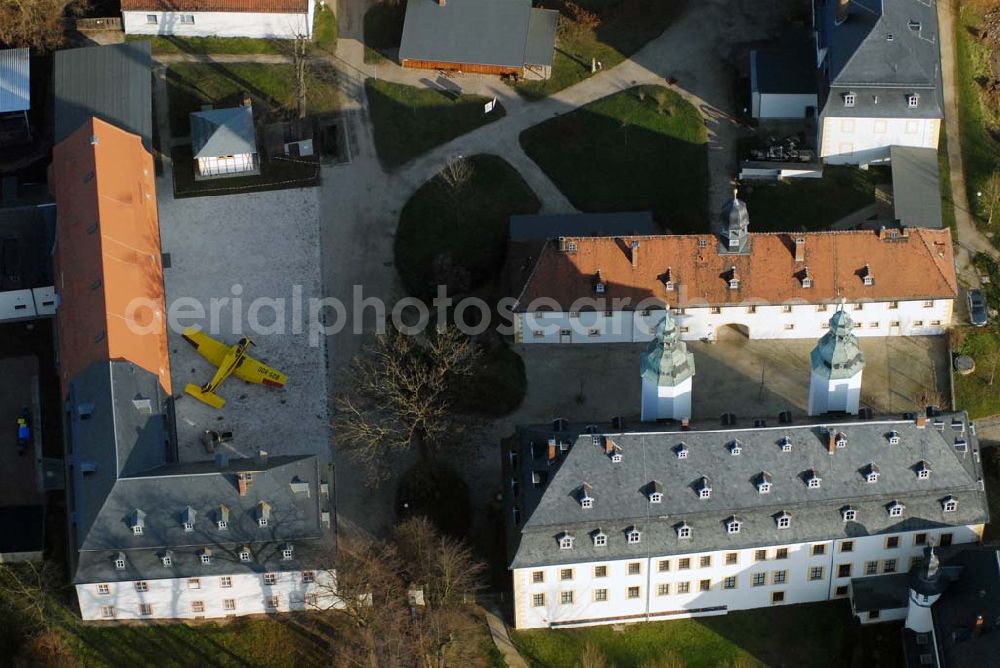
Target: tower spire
column 666, row 369
column 837, row 363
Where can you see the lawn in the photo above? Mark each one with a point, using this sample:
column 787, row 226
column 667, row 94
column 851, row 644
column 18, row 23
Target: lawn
column 383, row 26
column 622, row 29
column 498, row 386
column 974, row 392
column 206, row 45
column 409, row 120
column 802, row 204
column 645, row 148
column 815, row 635
column 979, row 123
column 458, row 235
column 325, row 29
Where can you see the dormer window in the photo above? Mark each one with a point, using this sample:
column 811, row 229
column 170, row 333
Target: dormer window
column 684, row 531
column 704, row 489
column 167, row 559
column 616, row 457
column 137, row 521
column 600, row 539
column 287, row 552
column 850, row 99
column 681, row 451
column 137, row 530
column 222, row 524
column 565, row 542
column 586, row 502
column 263, row 513
column 655, row 492
column 893, row 437
column 784, row 520
column 733, row 525
column 813, row 480
column 867, row 276
column 599, row 285
column 923, row 471
column 912, row 100
column 849, row 514
column 245, row 554
column 656, row 497
column 735, row 448
column 807, row 281
column 206, row 557
column 734, row 280
column 841, row 441
column 120, row 561
column 595, row 439
column 871, row 474
column 764, row 483
column 585, row 497
column 633, row 536
column 895, row 509
column 188, row 526
column 950, row 504
column 668, row 280
column 187, row 519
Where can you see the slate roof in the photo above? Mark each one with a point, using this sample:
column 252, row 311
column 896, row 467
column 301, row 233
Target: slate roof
column 916, row 186
column 975, row 592
column 552, row 225
column 787, row 70
column 649, row 454
column 880, row 592
column 23, row 529
column 110, row 82
column 26, row 237
column 768, row 273
column 15, row 80
column 863, row 59
column 261, row 6
column 219, row 132
column 505, row 33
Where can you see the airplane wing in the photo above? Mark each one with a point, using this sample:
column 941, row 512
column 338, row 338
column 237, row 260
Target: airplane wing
column 253, row 371
column 206, row 346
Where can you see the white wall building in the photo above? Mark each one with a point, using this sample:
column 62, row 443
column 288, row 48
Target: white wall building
column 667, row 371
column 837, row 364
column 281, row 19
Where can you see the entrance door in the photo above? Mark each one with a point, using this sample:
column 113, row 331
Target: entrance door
column 565, row 336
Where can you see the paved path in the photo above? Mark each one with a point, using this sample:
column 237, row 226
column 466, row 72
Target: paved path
column 501, row 638
column 970, row 239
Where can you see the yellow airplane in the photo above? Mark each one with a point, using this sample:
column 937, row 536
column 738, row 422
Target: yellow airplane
column 229, row 360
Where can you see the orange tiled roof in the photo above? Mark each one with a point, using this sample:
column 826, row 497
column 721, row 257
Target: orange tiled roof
column 108, row 253
column 917, row 265
column 263, row 6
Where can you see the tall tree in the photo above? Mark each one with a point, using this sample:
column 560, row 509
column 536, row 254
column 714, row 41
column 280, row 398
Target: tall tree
column 35, row 23
column 444, row 566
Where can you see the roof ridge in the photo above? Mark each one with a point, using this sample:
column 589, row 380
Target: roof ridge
column 930, row 252
column 531, row 275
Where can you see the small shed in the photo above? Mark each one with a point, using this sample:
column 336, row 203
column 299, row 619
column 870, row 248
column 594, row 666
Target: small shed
column 224, row 142
column 783, row 83
column 15, row 95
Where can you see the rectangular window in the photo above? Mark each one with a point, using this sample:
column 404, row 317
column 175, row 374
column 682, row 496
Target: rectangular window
column 818, row 550
column 844, row 571
column 760, row 555
column 894, row 323
column 229, row 604
column 928, row 303
column 664, row 565
column 716, row 310
column 732, row 558
column 142, row 586
column 633, row 592
column 538, row 334
column 683, row 564
column 729, row 583
column 705, row 561
column 538, row 576
column 935, row 323
column 308, row 577
column 566, row 598
column 889, row 566
column 270, row 578
column 683, row 587
column 779, row 577
column 187, row 18
column 600, row 571
column 566, row 574
column 663, row 589
column 873, row 325
column 751, row 309
column 847, row 546
column 704, row 585
column 944, row 540
column 634, row 568
column 891, row 542
column 759, row 579
column 151, row 19
column 859, row 307
column 842, row 590
column 821, row 308
column 816, row 573
column 107, row 611
column 781, row 553
column 197, row 607
column 777, row 597
column 600, row 595
column 226, row 582
column 789, row 325
column 104, row 589
column 194, row 583
column 538, row 600
column 918, row 323
column 893, row 306
column 593, row 332
column 145, row 610
column 920, row 539
column 271, row 602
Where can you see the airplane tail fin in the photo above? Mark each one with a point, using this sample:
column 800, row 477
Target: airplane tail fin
column 210, row 398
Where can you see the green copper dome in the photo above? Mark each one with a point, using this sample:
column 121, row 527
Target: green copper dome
column 667, row 361
column 838, row 354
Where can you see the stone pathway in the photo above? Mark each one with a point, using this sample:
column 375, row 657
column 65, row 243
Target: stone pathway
column 501, row 638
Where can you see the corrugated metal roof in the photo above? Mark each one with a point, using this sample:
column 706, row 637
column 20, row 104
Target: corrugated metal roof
column 263, row 6
column 15, row 80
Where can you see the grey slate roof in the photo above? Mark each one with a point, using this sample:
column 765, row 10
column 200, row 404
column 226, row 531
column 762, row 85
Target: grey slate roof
column 789, row 69
column 15, row 80
column 649, row 454
column 112, row 83
column 916, row 186
column 549, row 226
column 863, row 59
column 975, row 592
column 219, row 132
column 480, row 32
column 880, row 592
column 27, row 234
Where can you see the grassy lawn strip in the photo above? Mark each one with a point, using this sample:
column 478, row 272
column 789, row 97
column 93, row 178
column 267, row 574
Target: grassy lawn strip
column 641, row 149
column 206, row 45
column 459, row 236
column 190, row 85
column 498, row 386
column 974, row 392
column 623, row 29
column 383, row 26
column 797, row 205
column 409, row 120
column 947, row 199
column 325, row 29
column 817, row 635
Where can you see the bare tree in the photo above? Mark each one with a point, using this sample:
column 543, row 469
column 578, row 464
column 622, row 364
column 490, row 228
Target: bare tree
column 26, row 589
column 35, row 23
column 397, row 396
column 455, row 178
column 444, row 566
column 300, row 53
column 47, row 649
column 991, row 196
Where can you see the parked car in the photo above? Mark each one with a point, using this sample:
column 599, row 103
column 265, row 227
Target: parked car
column 977, row 308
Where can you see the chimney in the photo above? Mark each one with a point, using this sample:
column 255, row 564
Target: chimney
column 977, row 630
column 552, row 450
column 609, row 446
column 921, row 422
column 242, row 484
column 635, row 253
column 843, row 10
column 800, row 249
column 685, row 424
column 831, row 445
column 562, row 244
column 441, row 3
column 262, row 458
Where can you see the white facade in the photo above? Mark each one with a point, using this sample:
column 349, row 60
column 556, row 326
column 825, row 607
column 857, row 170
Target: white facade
column 218, row 24
column 758, row 321
column 666, row 402
column 859, row 141
column 208, row 596
column 228, row 165
column 27, row 304
column 781, row 105
column 834, row 395
column 637, row 590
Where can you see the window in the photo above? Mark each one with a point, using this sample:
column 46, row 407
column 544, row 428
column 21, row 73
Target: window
column 751, row 308
column 929, row 303
column 593, row 332
column 270, row 578
column 781, row 553
column 818, row 550
column 786, row 308
column 873, row 325
column 784, row 521
column 894, row 323
column 684, row 532
column 847, row 546
column 842, row 590
column 950, row 505
column 705, row 492
column 229, row 604
column 107, row 611
column 759, row 579
column 733, row 526
column 716, row 310
column 871, row 568
column 893, row 305
column 272, row 602
column 634, row 568
column 891, row 542
column 225, row 582
column 566, row 598
column 935, row 323
column 566, row 574
column 104, row 589
column 142, row 586
column 187, row 19
column 145, row 610
column 732, row 558
column 663, row 589
column 729, row 583
column 308, row 577
column 664, row 565
column 889, row 566
column 167, row 560
column 600, row 595
column 916, row 562
column 222, row 524
column 704, row 585
column 844, row 571
column 197, row 607
column 634, row 536
column 194, row 583
column 538, row 334
column 821, row 308
column 244, row 555
column 683, row 564
column 286, row 553
column 656, row 497
column 912, row 101
column 683, row 587
column 600, row 539
column 850, row 99
column 262, row 522
column 705, row 561
column 760, row 555
column 777, row 597
column 633, row 592
column 779, row 577
column 850, row 514
column 920, row 539
column 874, row 614
column 918, row 323
column 120, row 564
column 816, row 573
column 814, row 482
column 137, row 530
column 896, row 510
column 538, row 600
column 566, row 542
column 206, row 558
column 151, row 19
column 789, row 326
column 682, row 452
column 944, row 540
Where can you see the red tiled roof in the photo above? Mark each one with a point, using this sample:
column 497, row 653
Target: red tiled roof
column 108, row 253
column 917, row 265
column 263, row 6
